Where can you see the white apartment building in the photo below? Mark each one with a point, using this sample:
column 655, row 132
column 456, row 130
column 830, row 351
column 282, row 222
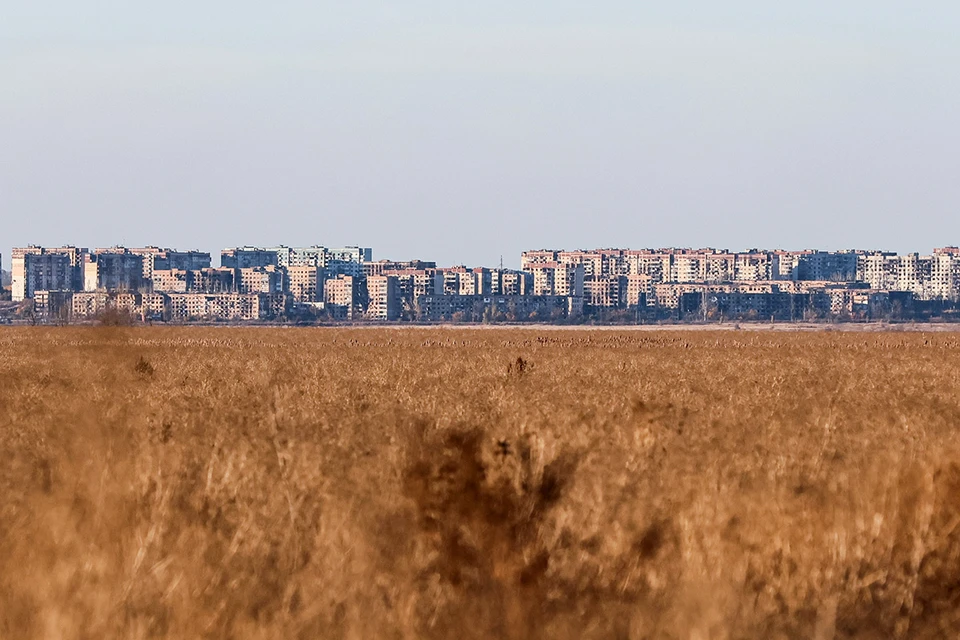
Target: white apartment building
column 46, row 269
column 384, row 299
column 270, row 279
column 341, row 297
column 156, row 258
column 756, row 265
column 557, row 279
column 172, row 280
column 115, row 269
column 305, row 283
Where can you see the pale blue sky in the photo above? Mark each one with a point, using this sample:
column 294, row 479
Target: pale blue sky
column 459, row 132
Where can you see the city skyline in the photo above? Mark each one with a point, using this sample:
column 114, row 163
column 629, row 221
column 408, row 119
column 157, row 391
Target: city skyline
column 317, row 284
column 510, row 261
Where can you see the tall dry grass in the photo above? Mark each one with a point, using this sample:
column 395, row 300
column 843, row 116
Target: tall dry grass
column 254, row 483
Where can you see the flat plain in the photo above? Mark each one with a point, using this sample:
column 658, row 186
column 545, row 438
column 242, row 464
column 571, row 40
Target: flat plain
column 444, row 483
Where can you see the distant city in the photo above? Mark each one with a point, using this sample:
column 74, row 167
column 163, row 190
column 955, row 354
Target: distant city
column 62, row 285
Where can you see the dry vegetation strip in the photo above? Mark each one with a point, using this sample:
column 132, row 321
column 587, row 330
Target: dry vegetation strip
column 232, row 483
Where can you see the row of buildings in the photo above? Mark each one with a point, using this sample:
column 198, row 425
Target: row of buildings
column 265, row 283
column 785, row 284
column 268, row 283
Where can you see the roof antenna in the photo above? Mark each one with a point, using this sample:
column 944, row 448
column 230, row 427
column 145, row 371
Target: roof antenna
column 501, row 262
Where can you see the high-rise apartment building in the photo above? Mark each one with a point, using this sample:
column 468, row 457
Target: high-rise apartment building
column 156, row 258
column 557, row 279
column 382, row 266
column 269, row 279
column 341, row 297
column 384, row 299
column 248, row 257
column 172, row 280
column 346, row 260
column 305, row 283
column 115, row 269
column 46, row 269
column 515, row 283
column 219, row 280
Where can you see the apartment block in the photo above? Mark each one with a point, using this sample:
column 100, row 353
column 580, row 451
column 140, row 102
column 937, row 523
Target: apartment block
column 172, row 280
column 88, row 304
column 668, row 295
column 305, row 283
column 156, row 259
column 381, row 267
column 945, row 274
column 529, row 259
column 603, row 291
column 348, row 260
column 384, row 299
column 557, row 279
column 183, row 307
column 248, row 257
column 46, row 269
column 477, row 308
column 155, row 306
column 657, row 266
column 342, row 297
column 845, row 301
column 678, row 265
column 756, row 265
column 515, row 283
column 343, row 260
column 53, row 304
column 637, row 290
column 827, row 266
column 744, row 304
column 315, row 256
column 688, row 267
column 215, row 280
column 935, row 277
column 47, row 272
column 269, row 279
column 414, row 283
column 115, row 269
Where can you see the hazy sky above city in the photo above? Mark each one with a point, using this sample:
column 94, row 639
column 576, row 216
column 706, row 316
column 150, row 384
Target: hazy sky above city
column 461, row 132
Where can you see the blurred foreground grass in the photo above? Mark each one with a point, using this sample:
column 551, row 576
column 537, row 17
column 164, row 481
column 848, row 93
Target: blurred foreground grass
column 261, row 483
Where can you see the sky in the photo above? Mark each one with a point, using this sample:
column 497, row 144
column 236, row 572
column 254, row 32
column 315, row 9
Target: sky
column 463, row 132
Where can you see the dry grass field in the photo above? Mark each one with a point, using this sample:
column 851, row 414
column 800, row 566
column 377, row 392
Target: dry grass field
column 516, row 483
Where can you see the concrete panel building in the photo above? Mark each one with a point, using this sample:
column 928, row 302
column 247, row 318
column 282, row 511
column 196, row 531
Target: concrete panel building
column 638, row 290
column 603, row 292
column 46, row 269
column 172, row 280
column 384, row 299
column 219, row 280
column 510, row 308
column 115, row 269
column 516, row 283
column 183, row 307
column 381, row 267
column 305, row 283
column 269, row 279
column 342, row 297
column 88, row 304
column 248, row 257
column 557, row 279
column 156, row 259
column 54, row 305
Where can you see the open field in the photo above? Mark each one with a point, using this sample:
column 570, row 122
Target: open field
column 522, row 483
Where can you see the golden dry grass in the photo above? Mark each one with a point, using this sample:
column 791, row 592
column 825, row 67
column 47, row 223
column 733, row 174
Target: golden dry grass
column 268, row 483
